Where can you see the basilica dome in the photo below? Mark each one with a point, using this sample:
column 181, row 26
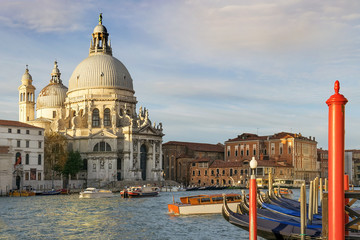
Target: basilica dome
column 100, row 71
column 54, row 94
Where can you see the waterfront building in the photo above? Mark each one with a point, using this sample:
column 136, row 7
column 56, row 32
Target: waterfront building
column 177, row 157
column 287, row 149
column 22, row 156
column 352, row 165
column 6, row 170
column 234, row 173
column 97, row 114
column 323, row 160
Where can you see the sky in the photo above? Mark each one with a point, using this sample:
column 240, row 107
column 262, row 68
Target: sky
column 209, row 70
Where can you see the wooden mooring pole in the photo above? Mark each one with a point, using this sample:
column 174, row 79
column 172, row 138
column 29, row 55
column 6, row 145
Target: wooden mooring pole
column 346, row 188
column 336, row 138
column 311, row 202
column 321, row 192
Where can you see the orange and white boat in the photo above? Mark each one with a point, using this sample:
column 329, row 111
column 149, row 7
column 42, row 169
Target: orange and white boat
column 285, row 192
column 204, row 204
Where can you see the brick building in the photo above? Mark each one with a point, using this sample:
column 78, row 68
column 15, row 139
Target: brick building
column 177, row 157
column 204, row 172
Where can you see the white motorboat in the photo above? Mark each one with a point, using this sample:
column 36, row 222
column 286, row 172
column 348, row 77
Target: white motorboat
column 96, row 193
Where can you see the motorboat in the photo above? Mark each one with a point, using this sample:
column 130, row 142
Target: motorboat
column 51, row 192
column 96, row 193
column 172, row 189
column 203, row 204
column 284, row 192
column 22, row 193
column 137, row 192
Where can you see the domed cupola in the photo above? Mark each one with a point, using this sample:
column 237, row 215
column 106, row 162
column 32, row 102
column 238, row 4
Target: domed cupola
column 26, row 78
column 100, row 42
column 54, row 94
column 100, row 70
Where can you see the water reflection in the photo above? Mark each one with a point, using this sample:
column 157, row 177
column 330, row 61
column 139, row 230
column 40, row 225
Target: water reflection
column 68, row 217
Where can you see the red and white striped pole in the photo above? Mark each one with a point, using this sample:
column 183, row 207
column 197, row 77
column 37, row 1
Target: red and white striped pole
column 336, row 205
column 252, row 202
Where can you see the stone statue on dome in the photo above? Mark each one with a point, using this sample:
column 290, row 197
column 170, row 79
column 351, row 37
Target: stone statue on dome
column 100, row 19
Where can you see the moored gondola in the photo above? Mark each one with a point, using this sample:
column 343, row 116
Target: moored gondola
column 267, row 228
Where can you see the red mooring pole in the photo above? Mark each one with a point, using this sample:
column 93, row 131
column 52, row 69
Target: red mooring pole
column 252, row 202
column 336, row 204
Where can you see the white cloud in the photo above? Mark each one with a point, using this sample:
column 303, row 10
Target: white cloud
column 44, row 15
column 207, row 69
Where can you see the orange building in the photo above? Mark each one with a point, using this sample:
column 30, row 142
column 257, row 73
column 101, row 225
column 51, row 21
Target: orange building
column 286, row 149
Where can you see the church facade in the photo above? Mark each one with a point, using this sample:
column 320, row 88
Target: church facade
column 97, row 114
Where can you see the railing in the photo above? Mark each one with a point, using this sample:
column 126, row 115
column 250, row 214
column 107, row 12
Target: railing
column 352, row 225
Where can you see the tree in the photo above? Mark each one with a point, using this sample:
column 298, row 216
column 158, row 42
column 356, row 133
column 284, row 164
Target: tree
column 74, row 163
column 55, row 154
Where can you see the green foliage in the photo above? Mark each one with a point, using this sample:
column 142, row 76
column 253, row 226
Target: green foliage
column 55, row 151
column 73, row 164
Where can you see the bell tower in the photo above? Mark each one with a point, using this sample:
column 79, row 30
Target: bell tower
column 26, row 98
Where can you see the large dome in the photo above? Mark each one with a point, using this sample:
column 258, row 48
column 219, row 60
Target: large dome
column 53, row 95
column 100, row 71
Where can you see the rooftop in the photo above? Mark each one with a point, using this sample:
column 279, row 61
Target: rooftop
column 205, row 147
column 10, row 123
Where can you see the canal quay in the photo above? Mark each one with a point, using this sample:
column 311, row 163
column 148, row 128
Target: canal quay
column 68, row 217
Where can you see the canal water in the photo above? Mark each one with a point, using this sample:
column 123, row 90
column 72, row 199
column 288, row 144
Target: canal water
column 68, row 217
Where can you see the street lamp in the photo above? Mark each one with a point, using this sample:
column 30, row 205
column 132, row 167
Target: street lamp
column 252, row 201
column 253, row 165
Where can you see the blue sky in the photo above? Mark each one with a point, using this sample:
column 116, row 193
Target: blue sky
column 209, row 70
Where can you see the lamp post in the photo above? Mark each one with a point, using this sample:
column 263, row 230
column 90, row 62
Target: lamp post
column 252, row 202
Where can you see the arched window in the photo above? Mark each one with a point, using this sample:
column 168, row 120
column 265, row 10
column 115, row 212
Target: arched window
column 96, row 118
column 102, row 147
column 107, row 121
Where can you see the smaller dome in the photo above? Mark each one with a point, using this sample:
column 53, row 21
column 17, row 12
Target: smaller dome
column 100, row 29
column 26, row 78
column 55, row 70
column 53, row 95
